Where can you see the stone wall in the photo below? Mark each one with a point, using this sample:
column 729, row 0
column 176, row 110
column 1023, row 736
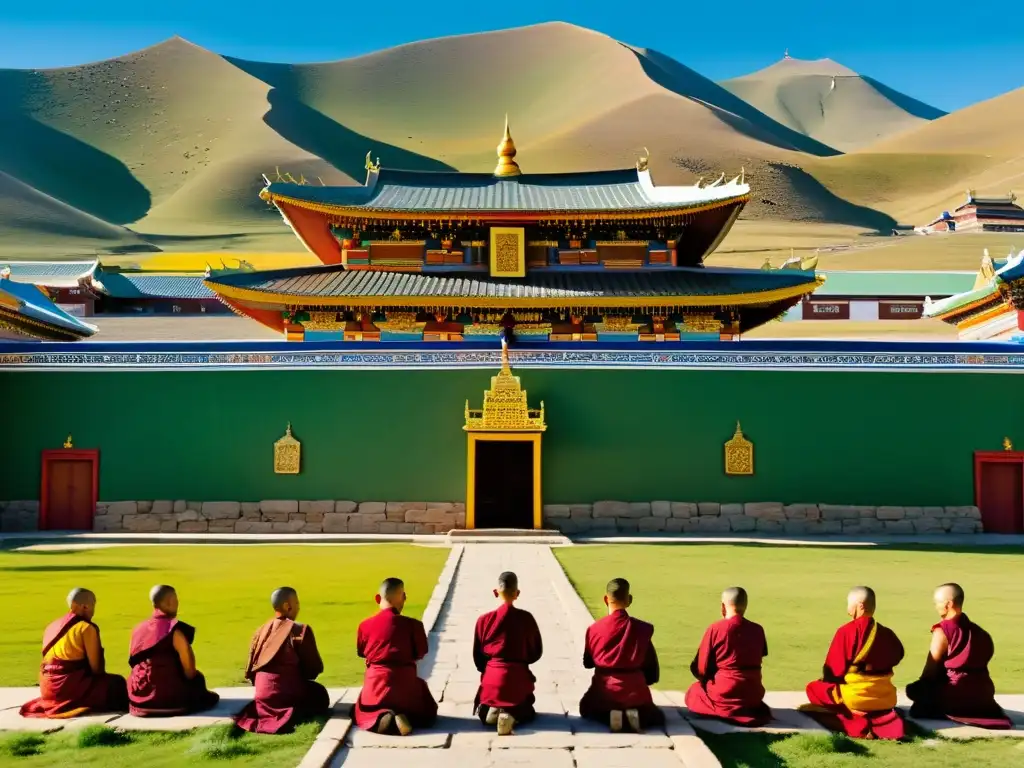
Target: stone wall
column 611, row 517
column 278, row 516
column 19, row 516
column 408, row 517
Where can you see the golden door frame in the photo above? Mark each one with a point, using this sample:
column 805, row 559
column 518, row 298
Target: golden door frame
column 473, row 438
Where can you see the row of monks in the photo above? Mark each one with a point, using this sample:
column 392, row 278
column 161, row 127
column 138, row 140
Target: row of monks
column 855, row 691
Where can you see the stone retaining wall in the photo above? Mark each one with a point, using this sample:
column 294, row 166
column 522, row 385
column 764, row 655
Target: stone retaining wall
column 420, row 517
column 764, row 517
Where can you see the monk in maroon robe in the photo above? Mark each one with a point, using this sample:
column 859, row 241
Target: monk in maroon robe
column 955, row 683
column 856, row 685
column 283, row 664
column 505, row 644
column 394, row 699
column 73, row 679
column 728, row 667
column 164, row 679
column 620, row 651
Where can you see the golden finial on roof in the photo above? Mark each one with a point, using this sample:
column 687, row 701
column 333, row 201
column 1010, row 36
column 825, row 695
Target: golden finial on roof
column 1007, row 444
column 507, row 166
column 506, row 408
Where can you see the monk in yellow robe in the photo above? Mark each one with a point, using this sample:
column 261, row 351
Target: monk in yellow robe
column 856, row 684
column 73, row 679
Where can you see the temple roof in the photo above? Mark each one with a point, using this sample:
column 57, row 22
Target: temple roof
column 426, row 191
column 140, row 286
column 29, row 308
column 1011, row 271
column 55, row 274
column 335, row 285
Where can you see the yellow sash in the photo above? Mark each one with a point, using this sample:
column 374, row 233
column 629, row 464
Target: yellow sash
column 862, row 692
column 71, row 647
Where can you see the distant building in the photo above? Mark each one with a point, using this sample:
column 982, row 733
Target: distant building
column 27, row 313
column 154, row 294
column 980, row 214
column 994, row 308
column 65, row 282
column 862, row 295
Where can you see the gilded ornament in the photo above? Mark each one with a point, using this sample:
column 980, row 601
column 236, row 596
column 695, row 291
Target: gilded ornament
column 508, row 252
column 67, row 443
column 505, row 405
column 739, row 454
column 287, row 454
column 1007, row 444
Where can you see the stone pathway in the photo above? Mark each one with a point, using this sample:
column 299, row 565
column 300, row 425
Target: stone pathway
column 558, row 738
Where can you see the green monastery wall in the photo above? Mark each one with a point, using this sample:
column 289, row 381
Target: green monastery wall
column 821, row 437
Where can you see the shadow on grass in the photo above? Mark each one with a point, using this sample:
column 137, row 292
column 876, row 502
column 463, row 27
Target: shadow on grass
column 755, row 749
column 21, row 744
column 71, row 568
column 724, row 540
column 221, row 742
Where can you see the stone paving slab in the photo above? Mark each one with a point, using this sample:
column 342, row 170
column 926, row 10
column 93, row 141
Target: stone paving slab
column 10, row 720
column 327, row 743
column 529, row 758
column 232, row 700
column 624, row 758
column 432, row 738
column 13, row 698
column 948, row 729
column 420, row 758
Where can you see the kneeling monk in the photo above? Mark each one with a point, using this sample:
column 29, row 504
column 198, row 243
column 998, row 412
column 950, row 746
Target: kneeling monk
column 72, row 678
column 283, row 663
column 620, row 651
column 728, row 667
column 857, row 680
column 955, row 683
column 164, row 679
column 393, row 698
column 505, row 643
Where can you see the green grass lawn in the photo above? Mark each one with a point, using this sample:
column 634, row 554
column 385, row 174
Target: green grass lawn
column 224, row 592
column 758, row 750
column 103, row 746
column 799, row 595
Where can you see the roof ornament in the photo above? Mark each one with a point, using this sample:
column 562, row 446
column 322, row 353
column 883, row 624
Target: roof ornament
column 786, row 54
column 5, row 273
column 371, row 166
column 743, row 174
column 641, row 163
column 718, row 181
column 507, row 166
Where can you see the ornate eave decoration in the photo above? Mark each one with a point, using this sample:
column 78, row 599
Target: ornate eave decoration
column 505, row 405
column 287, row 454
column 739, row 454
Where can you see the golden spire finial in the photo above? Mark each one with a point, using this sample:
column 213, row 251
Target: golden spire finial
column 507, row 166
column 505, row 366
column 67, row 443
column 1007, row 444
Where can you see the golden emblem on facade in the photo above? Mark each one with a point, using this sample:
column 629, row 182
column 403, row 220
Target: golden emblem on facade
column 1007, row 444
column 67, row 443
column 508, row 252
column 505, row 405
column 287, row 454
column 739, row 454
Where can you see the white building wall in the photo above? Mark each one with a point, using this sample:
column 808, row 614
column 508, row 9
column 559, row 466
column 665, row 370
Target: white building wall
column 864, row 310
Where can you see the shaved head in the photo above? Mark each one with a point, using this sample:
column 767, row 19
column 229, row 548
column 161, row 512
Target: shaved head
column 950, row 593
column 862, row 596
column 617, row 590
column 735, row 597
column 160, row 592
column 282, row 595
column 81, row 596
column 508, row 583
column 390, row 587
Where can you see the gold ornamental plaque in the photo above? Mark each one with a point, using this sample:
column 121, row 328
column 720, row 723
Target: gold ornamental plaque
column 287, row 454
column 739, row 454
column 508, row 252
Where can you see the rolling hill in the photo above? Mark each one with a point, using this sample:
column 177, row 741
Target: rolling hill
column 164, row 148
column 829, row 102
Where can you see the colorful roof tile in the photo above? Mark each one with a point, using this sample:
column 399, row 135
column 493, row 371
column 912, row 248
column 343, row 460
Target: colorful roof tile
column 28, row 311
column 424, row 191
column 1011, row 271
column 123, row 285
column 335, row 285
column 56, row 274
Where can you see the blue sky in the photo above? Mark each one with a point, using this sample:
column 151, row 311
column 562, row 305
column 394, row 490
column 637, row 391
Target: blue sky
column 938, row 52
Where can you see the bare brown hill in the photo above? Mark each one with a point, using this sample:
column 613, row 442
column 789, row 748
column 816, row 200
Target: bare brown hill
column 829, row 102
column 167, row 145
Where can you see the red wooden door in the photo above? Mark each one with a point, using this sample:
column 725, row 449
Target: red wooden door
column 69, row 496
column 1001, row 496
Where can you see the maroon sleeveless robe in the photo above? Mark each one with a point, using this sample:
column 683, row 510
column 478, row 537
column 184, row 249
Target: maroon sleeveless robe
column 67, row 686
column 158, row 686
column 882, row 658
column 392, row 644
column 283, row 663
column 620, row 651
column 728, row 672
column 962, row 690
column 505, row 643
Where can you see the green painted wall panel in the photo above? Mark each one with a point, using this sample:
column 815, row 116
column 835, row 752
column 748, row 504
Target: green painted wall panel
column 820, row 437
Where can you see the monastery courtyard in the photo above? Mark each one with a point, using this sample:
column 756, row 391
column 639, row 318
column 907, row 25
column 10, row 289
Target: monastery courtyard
column 797, row 593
